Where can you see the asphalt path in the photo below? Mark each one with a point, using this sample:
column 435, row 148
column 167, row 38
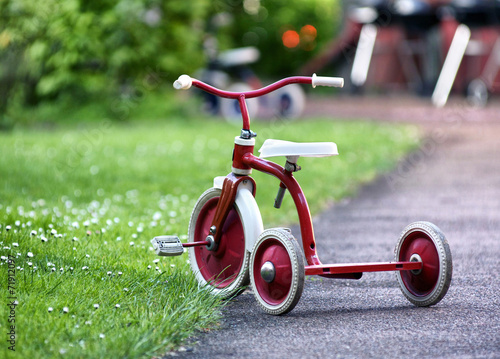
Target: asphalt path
column 453, row 180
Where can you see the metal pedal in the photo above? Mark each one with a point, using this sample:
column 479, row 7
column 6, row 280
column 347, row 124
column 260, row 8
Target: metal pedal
column 168, row 246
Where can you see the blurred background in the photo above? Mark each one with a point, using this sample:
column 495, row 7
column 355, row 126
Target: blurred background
column 109, row 54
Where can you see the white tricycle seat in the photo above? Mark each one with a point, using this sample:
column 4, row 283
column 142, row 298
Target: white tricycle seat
column 274, row 148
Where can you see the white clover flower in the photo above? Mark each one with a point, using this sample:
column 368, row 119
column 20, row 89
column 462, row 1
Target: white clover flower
column 85, row 268
column 87, row 255
column 134, row 235
column 30, row 254
column 118, row 238
column 61, row 269
column 120, row 273
column 132, row 243
column 149, row 267
column 75, row 239
column 157, row 268
column 8, row 228
column 18, row 223
column 30, row 264
column 88, row 322
column 65, row 310
column 53, row 269
column 96, row 306
column 125, row 289
column 43, row 239
column 117, row 306
column 33, row 233
column 102, row 336
column 109, row 273
column 156, row 260
column 53, row 232
column 49, row 264
column 86, row 223
column 50, row 309
column 75, row 225
column 15, row 244
column 62, row 351
column 172, row 265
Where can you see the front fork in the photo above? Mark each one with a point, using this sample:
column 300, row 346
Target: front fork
column 226, row 202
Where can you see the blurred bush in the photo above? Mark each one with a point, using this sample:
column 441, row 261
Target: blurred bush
column 265, row 24
column 115, row 49
column 52, row 47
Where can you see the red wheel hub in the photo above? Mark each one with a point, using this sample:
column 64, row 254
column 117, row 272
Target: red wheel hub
column 222, row 266
column 423, row 283
column 277, row 290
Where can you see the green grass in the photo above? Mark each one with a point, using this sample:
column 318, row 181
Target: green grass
column 83, row 202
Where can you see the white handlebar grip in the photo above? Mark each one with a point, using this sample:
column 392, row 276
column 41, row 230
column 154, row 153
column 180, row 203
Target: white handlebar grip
column 327, row 81
column 183, row 82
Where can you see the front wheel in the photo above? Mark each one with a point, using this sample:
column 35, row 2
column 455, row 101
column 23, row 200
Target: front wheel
column 225, row 270
column 423, row 241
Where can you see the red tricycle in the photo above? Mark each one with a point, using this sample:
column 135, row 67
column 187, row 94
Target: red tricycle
column 229, row 247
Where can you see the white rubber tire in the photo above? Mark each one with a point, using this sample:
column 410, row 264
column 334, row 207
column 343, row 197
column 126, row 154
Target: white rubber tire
column 288, row 102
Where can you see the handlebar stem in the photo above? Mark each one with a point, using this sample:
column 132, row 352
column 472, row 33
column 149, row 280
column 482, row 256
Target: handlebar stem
column 244, row 112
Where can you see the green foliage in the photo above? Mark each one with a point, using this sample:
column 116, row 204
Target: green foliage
column 76, row 51
column 94, row 47
column 261, row 23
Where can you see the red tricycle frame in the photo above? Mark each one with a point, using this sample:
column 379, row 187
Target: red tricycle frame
column 229, row 247
column 244, row 160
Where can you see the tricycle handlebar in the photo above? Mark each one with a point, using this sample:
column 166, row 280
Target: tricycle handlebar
column 184, row 82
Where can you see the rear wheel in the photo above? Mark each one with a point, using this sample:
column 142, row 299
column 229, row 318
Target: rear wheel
column 225, row 270
column 277, row 271
column 423, row 241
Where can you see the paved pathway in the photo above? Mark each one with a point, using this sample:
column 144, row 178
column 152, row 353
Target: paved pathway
column 453, row 181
